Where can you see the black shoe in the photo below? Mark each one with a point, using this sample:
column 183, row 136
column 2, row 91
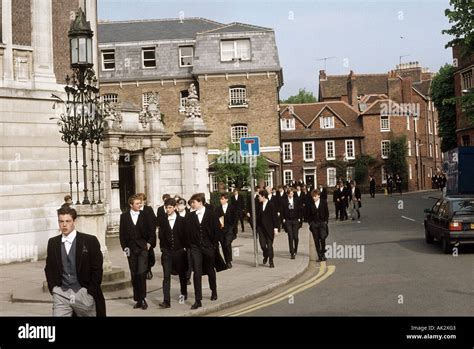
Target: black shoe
column 188, row 282
column 196, row 305
column 138, row 305
column 165, row 305
column 265, row 259
column 229, row 265
column 144, row 305
column 214, row 296
column 293, row 256
column 324, row 259
column 272, row 265
column 185, row 297
column 149, row 275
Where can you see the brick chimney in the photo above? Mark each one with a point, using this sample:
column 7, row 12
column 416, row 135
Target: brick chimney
column 406, row 89
column 322, row 75
column 394, row 87
column 352, row 92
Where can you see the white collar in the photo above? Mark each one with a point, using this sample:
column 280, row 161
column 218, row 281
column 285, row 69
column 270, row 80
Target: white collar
column 172, row 216
column 133, row 213
column 70, row 237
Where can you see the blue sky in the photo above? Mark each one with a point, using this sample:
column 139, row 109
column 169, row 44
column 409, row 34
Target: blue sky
column 364, row 36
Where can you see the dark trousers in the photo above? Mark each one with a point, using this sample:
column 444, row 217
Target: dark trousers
column 190, row 264
column 266, row 243
column 226, row 242
column 138, row 264
column 176, row 260
column 203, row 262
column 319, row 232
column 337, row 208
column 343, row 210
column 372, row 192
column 240, row 214
column 399, row 189
column 292, row 227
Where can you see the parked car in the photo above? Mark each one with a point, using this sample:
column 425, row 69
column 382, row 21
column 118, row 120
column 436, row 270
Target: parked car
column 450, row 221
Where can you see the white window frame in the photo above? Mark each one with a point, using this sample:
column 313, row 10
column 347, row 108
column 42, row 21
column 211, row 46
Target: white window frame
column 237, row 132
column 238, row 97
column 146, row 96
column 430, row 131
column 182, row 101
column 268, row 179
column 409, row 148
column 436, row 151
column 353, row 149
column 287, row 124
column 408, row 122
column 435, row 128
column 416, row 125
column 467, row 83
column 107, row 61
column 384, row 175
column 350, row 173
column 410, row 174
column 290, row 148
column 331, row 179
column 148, row 49
column 431, row 150
column 213, row 183
column 326, row 122
column 236, row 52
column 383, row 127
column 184, row 56
column 382, row 149
column 417, row 148
column 305, row 158
column 333, row 150
column 285, row 172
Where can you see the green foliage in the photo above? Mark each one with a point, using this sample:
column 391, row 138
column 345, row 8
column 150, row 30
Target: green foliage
column 461, row 14
column 362, row 163
column 442, row 94
column 303, row 96
column 233, row 170
column 397, row 159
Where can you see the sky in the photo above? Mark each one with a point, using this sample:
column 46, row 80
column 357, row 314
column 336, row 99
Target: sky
column 364, row 36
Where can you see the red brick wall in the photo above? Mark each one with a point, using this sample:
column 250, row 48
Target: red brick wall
column 21, row 22
column 61, row 23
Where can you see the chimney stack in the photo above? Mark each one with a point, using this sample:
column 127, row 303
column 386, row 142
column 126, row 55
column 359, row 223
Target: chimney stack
column 352, row 92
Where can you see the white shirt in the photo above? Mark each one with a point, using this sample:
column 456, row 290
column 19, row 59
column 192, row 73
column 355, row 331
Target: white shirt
column 172, row 220
column 224, row 208
column 200, row 213
column 236, row 197
column 182, row 213
column 134, row 216
column 265, row 204
column 316, row 203
column 68, row 240
column 290, row 201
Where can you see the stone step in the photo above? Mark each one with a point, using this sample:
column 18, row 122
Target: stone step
column 116, row 285
column 115, row 274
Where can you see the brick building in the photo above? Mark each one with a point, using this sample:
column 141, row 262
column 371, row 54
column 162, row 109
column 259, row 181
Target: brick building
column 360, row 114
column 235, row 67
column 34, row 60
column 463, row 83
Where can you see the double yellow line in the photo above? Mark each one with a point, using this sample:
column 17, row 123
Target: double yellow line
column 323, row 273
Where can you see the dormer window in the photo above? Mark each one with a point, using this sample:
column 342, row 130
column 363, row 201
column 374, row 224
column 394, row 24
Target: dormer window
column 287, row 124
column 234, row 50
column 327, row 122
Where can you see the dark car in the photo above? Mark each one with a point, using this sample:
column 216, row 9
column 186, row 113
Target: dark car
column 451, row 221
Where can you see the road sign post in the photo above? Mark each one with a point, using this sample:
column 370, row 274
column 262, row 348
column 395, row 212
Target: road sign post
column 250, row 147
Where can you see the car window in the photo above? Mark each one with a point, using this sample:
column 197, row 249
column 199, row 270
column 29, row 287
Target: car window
column 443, row 208
column 436, row 206
column 462, row 206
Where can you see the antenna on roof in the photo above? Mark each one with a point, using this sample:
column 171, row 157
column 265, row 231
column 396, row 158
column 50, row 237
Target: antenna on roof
column 325, row 60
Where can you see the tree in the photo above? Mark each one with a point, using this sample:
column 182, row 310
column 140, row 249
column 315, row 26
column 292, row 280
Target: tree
column 397, row 159
column 303, row 96
column 233, row 170
column 442, row 94
column 462, row 15
column 361, row 165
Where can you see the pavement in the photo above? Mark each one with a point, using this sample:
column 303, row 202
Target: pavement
column 21, row 284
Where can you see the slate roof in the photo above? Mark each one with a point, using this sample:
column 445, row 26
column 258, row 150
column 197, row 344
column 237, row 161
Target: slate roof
column 335, row 86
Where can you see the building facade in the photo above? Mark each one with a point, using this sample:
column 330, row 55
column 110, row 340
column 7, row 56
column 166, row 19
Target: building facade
column 234, row 67
column 34, row 61
column 463, row 84
column 361, row 114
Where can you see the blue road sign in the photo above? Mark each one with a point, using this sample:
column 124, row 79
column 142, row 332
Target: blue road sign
column 249, row 146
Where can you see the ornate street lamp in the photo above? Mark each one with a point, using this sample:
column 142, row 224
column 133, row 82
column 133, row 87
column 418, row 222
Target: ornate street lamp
column 82, row 120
